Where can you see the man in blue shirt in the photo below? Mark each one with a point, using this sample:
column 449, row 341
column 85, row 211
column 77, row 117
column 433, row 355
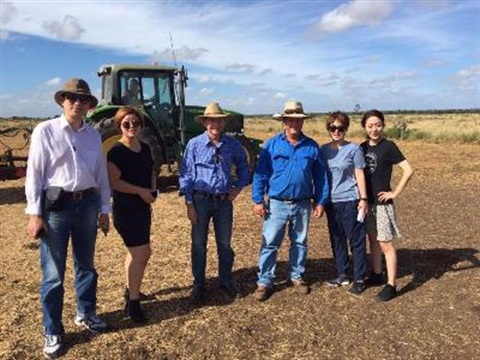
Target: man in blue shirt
column 209, row 190
column 290, row 172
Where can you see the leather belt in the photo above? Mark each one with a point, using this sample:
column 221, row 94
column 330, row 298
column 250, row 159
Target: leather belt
column 79, row 195
column 212, row 196
column 289, row 201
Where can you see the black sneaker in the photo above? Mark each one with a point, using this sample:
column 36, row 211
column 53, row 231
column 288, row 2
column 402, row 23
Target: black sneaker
column 388, row 293
column 231, row 291
column 53, row 346
column 135, row 311
column 341, row 280
column 198, row 294
column 357, row 288
column 375, row 279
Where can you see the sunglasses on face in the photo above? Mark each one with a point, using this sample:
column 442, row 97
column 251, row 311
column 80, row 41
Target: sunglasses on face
column 73, row 98
column 130, row 124
column 333, row 128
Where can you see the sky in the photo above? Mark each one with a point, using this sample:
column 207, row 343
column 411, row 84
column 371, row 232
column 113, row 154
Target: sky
column 250, row 56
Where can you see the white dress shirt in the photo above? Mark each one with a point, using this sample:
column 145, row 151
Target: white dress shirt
column 61, row 156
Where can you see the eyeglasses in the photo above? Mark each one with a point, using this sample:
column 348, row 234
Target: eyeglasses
column 333, row 128
column 73, row 98
column 130, row 124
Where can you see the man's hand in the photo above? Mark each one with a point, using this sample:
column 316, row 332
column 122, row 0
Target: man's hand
column 36, row 227
column 260, row 209
column 192, row 213
column 317, row 210
column 104, row 223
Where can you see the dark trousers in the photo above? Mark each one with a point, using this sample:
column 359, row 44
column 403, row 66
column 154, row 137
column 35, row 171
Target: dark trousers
column 343, row 228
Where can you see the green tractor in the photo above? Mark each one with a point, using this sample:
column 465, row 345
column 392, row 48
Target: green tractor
column 159, row 92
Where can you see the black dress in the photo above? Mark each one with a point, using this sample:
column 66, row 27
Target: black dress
column 131, row 215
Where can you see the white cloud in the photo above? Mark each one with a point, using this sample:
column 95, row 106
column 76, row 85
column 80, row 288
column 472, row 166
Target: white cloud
column 280, row 95
column 206, row 92
column 182, row 54
column 241, row 67
column 54, row 82
column 355, row 13
column 468, row 78
column 8, row 12
column 69, row 29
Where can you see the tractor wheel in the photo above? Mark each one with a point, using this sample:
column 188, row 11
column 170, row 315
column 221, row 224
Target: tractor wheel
column 250, row 152
column 148, row 137
column 110, row 135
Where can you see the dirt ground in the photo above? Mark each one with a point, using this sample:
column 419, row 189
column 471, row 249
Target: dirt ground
column 435, row 316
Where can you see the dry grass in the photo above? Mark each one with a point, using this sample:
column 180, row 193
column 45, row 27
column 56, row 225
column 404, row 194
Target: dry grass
column 436, row 315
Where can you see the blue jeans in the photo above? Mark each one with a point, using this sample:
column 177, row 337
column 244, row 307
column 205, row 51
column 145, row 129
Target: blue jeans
column 222, row 214
column 281, row 214
column 343, row 226
column 78, row 220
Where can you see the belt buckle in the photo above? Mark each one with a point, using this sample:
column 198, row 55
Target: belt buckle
column 286, row 201
column 77, row 195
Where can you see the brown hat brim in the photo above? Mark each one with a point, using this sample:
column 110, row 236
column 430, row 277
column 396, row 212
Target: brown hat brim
column 291, row 116
column 59, row 97
column 200, row 118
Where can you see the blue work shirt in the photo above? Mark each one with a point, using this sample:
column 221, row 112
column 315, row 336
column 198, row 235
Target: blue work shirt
column 207, row 167
column 290, row 172
column 341, row 164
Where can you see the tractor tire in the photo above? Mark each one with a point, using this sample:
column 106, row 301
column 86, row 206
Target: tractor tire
column 252, row 156
column 158, row 153
column 110, row 135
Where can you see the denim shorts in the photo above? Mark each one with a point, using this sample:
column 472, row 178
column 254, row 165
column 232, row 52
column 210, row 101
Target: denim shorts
column 381, row 222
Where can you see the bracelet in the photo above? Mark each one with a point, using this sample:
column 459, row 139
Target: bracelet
column 364, row 199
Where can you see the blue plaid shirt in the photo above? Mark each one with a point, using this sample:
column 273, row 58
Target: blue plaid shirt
column 206, row 167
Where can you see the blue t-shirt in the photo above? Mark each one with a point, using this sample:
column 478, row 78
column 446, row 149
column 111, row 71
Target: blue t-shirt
column 341, row 164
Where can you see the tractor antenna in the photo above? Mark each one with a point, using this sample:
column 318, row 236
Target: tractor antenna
column 173, row 50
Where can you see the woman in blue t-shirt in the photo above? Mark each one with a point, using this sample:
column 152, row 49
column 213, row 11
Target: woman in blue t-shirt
column 380, row 156
column 346, row 211
column 130, row 170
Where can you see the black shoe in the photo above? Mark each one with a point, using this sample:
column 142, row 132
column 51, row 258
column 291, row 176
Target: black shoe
column 231, row 291
column 135, row 311
column 375, row 279
column 126, row 300
column 388, row 293
column 341, row 280
column 357, row 288
column 198, row 294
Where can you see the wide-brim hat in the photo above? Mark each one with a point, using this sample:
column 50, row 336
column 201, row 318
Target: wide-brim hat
column 292, row 109
column 75, row 86
column 212, row 111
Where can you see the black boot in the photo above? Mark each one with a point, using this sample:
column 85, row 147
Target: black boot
column 135, row 311
column 126, row 298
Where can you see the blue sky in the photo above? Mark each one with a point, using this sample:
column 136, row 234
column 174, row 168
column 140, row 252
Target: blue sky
column 251, row 56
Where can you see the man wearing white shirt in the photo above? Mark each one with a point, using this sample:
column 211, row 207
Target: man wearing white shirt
column 67, row 194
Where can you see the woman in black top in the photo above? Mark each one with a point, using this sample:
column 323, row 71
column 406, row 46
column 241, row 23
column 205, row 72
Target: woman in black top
column 132, row 179
column 380, row 157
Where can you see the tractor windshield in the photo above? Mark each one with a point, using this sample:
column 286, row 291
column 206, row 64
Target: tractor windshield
column 150, row 90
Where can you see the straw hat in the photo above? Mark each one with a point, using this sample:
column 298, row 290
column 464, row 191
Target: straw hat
column 213, row 111
column 292, row 109
column 75, row 86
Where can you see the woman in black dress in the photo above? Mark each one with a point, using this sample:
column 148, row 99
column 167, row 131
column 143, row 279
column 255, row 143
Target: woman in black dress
column 132, row 179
